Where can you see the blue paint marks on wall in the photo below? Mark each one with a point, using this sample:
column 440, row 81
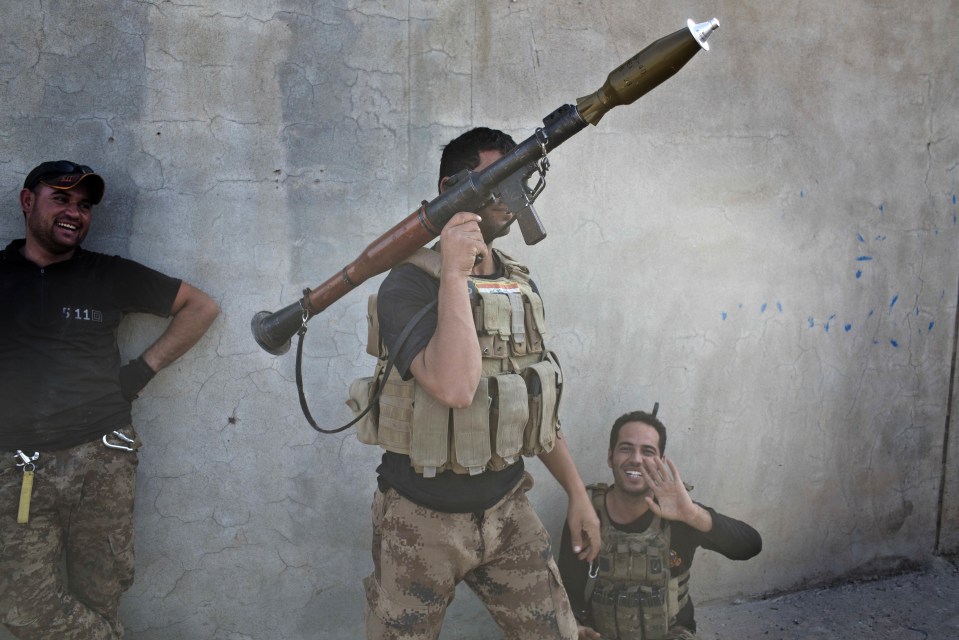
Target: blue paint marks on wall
column 870, row 251
column 829, row 322
column 862, row 258
column 847, row 326
column 871, row 248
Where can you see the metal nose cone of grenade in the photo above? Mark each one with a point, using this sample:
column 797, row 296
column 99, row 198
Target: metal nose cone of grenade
column 702, row 31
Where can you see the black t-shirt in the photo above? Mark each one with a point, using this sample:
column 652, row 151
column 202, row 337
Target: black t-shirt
column 732, row 538
column 404, row 292
column 59, row 361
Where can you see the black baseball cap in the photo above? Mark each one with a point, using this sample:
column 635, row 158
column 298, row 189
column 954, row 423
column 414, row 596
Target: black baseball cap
column 64, row 175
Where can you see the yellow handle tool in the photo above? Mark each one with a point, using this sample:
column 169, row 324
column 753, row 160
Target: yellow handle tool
column 26, row 490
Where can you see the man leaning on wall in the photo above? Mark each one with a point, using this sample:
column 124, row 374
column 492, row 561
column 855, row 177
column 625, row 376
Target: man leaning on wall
column 67, row 446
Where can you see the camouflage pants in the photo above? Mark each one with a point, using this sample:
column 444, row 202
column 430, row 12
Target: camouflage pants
column 81, row 513
column 503, row 554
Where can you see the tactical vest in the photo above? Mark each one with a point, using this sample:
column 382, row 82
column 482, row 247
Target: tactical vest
column 632, row 594
column 516, row 405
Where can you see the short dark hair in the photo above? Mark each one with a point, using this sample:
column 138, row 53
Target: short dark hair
column 638, row 416
column 463, row 151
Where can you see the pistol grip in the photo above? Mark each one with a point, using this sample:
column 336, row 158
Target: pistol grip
column 530, row 225
column 516, row 196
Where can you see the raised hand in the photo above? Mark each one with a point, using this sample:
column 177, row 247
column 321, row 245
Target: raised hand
column 670, row 500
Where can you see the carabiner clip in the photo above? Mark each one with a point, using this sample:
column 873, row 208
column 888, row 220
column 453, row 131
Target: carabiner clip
column 27, row 461
column 126, row 443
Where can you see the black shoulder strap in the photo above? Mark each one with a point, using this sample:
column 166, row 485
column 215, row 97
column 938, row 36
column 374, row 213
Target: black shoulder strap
column 386, row 373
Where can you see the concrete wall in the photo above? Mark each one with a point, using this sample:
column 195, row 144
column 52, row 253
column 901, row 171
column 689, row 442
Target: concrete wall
column 766, row 245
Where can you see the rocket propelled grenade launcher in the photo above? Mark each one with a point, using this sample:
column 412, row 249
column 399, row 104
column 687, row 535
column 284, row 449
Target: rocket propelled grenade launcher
column 506, row 179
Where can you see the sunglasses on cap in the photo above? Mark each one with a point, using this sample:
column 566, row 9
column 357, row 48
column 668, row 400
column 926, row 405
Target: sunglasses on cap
column 63, row 174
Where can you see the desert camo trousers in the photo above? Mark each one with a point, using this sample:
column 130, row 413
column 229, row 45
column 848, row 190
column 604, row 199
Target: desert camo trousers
column 503, row 554
column 81, row 512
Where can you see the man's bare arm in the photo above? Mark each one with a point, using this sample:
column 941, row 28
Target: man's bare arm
column 450, row 365
column 193, row 312
column 580, row 516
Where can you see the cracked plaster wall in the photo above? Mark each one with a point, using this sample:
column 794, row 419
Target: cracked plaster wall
column 779, row 221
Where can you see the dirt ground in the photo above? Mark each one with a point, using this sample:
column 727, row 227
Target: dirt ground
column 919, row 605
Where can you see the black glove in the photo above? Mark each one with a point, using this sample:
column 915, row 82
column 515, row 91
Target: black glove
column 133, row 377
